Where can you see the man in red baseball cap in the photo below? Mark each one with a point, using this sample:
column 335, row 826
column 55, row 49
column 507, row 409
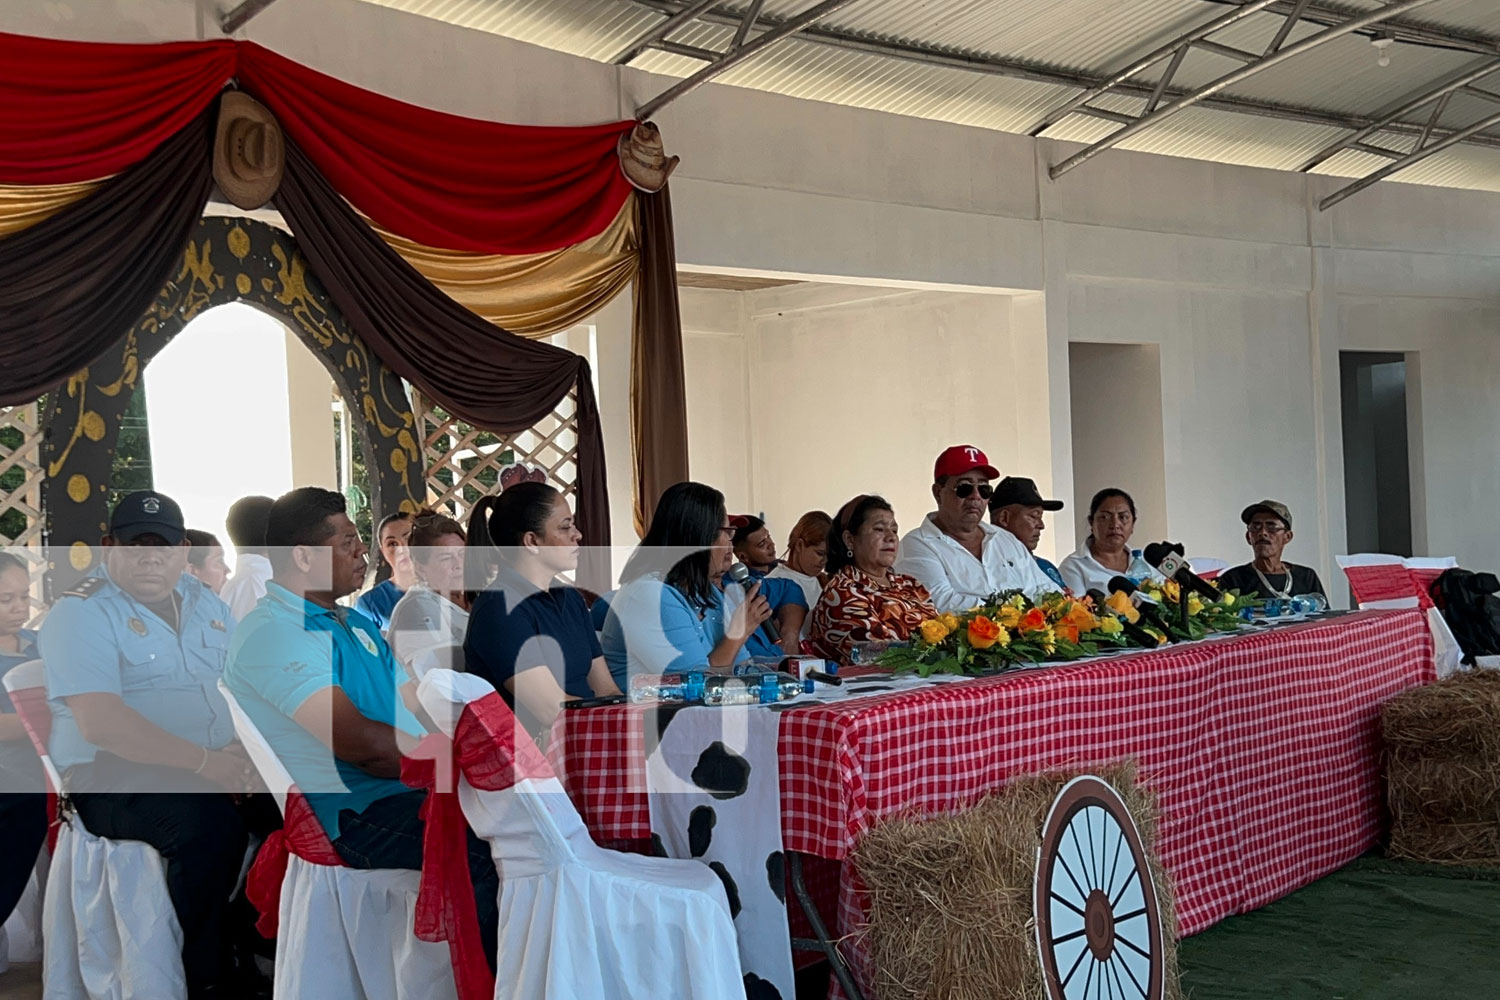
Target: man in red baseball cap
column 957, row 556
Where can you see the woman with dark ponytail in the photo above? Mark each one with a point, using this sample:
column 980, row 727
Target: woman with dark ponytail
column 394, row 574
column 530, row 634
column 673, row 611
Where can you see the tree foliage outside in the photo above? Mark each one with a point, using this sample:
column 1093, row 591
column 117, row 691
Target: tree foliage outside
column 132, row 465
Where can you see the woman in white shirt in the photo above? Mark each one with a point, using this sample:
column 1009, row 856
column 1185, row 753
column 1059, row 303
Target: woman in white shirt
column 807, row 556
column 1106, row 552
column 428, row 623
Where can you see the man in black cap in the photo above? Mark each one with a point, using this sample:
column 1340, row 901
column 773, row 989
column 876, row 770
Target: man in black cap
column 1017, row 506
column 140, row 731
column 1268, row 529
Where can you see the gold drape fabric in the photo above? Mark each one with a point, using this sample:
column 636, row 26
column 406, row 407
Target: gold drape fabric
column 24, row 205
column 534, row 295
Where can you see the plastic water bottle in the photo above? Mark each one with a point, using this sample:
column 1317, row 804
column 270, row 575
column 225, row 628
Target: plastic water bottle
column 721, row 690
column 1139, row 571
column 1309, row 604
column 673, row 689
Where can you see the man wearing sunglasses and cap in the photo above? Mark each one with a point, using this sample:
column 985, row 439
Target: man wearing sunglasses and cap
column 1268, row 529
column 959, row 558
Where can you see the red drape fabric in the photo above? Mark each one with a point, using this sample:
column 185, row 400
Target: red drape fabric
column 440, row 179
column 492, row 754
column 300, row 834
column 80, row 111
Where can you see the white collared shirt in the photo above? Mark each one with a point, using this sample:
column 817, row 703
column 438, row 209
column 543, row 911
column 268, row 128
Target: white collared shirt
column 955, row 579
column 1082, row 572
column 244, row 590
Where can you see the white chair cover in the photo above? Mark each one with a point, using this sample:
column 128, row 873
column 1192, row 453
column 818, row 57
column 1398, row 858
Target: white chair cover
column 21, row 937
column 111, row 931
column 1207, row 568
column 343, row 933
column 580, row 921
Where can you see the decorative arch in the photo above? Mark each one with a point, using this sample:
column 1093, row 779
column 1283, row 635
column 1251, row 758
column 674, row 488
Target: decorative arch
column 226, row 260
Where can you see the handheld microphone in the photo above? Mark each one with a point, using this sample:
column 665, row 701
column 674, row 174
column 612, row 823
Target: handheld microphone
column 1170, row 561
column 1149, row 610
column 1133, row 631
column 740, row 575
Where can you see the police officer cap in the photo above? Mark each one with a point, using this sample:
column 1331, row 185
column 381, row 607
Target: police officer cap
column 147, row 513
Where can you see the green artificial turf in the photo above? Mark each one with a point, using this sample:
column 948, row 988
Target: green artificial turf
column 1375, row 930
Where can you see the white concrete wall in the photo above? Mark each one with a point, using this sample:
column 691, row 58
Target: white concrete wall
column 1247, row 290
column 1117, row 433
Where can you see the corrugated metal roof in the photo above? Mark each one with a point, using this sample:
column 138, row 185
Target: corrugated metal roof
column 1085, row 37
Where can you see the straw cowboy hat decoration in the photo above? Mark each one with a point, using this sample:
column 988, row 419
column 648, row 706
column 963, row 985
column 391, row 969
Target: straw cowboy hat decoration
column 643, row 160
column 249, row 155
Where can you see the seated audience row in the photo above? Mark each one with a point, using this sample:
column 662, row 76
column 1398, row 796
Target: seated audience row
column 134, row 653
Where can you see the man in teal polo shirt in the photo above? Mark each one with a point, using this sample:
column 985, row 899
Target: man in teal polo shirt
column 322, row 686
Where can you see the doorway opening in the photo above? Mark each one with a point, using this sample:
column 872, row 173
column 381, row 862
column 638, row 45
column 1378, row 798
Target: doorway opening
column 1118, row 439
column 1377, row 466
column 236, row 405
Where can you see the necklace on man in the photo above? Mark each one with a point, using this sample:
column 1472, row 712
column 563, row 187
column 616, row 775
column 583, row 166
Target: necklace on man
column 1283, row 592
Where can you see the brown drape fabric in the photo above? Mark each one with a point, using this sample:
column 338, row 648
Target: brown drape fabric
column 658, row 394
column 532, row 295
column 73, row 284
column 24, row 205
column 479, row 373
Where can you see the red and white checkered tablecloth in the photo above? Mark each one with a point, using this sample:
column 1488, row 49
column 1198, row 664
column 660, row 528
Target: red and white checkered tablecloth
column 1262, row 750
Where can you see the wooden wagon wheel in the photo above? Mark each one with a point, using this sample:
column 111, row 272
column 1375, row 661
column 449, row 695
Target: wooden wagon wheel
column 1097, row 923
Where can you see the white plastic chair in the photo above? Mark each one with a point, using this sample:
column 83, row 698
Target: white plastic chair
column 1208, row 569
column 344, row 933
column 577, row 920
column 109, row 931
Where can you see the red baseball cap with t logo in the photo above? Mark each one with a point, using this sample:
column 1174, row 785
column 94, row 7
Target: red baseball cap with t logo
column 963, row 458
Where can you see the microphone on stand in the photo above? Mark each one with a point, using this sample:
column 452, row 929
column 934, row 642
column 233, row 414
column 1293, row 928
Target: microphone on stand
column 741, row 575
column 1132, row 630
column 1170, row 561
column 1149, row 610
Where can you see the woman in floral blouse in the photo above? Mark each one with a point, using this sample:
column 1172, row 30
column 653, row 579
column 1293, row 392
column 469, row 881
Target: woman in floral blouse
column 864, row 599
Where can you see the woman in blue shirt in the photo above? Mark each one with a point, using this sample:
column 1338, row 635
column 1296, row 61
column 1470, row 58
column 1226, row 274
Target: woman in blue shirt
column 394, row 573
column 673, row 611
column 529, row 633
column 23, row 799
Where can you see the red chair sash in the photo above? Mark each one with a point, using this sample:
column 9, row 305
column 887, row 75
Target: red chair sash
column 492, row 753
column 300, row 834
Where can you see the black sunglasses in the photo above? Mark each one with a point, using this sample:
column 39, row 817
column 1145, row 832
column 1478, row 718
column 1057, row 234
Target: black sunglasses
column 962, row 490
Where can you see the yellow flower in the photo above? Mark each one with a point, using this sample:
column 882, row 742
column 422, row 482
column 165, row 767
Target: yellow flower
column 1228, row 600
column 1172, row 591
column 1110, row 625
column 1009, row 615
column 1120, row 604
column 1195, row 604
column 950, row 622
column 934, row 631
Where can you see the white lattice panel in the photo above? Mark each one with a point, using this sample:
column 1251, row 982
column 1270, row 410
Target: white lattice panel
column 462, row 463
column 21, row 477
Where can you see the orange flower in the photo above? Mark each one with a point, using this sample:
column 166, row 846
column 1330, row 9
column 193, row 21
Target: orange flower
column 983, row 633
column 1080, row 617
column 1066, row 630
column 1034, row 620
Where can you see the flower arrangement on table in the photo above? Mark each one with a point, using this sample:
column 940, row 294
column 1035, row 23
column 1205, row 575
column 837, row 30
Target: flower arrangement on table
column 1205, row 617
column 1011, row 629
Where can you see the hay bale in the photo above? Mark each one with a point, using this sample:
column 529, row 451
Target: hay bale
column 1457, row 718
column 1443, row 770
column 950, row 899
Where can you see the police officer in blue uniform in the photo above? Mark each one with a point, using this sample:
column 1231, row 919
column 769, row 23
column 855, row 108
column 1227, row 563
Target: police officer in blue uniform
column 141, row 733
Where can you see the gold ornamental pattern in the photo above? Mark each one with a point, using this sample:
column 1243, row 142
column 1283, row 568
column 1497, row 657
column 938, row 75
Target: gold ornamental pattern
column 226, row 260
